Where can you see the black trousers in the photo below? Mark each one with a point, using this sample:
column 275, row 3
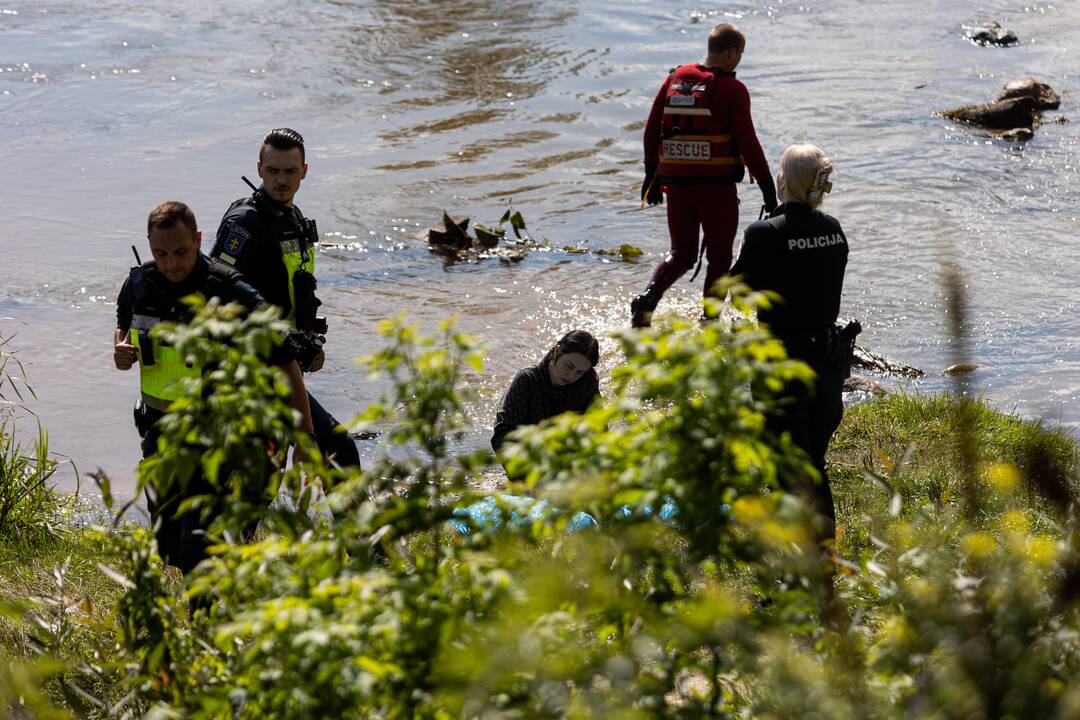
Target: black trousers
column 333, row 439
column 181, row 539
column 811, row 416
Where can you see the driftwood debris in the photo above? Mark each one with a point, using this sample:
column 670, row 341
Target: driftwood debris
column 452, row 240
column 453, row 232
column 878, row 363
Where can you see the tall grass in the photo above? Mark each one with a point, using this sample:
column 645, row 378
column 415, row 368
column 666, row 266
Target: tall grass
column 910, row 442
column 29, row 509
column 55, row 606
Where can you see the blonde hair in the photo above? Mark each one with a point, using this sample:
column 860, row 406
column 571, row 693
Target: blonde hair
column 804, row 175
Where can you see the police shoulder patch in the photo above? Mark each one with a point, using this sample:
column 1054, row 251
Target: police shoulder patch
column 234, row 243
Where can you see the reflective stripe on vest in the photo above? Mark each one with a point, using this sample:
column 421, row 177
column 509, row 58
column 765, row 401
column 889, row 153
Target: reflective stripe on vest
column 159, row 381
column 294, row 260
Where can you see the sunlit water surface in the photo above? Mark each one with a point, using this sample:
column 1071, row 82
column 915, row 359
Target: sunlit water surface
column 110, row 107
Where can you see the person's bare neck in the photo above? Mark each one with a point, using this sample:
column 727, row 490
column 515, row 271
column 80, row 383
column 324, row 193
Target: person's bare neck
column 718, row 60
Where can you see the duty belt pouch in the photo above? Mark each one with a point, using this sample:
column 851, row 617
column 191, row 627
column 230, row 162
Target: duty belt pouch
column 306, row 302
column 143, row 422
column 311, row 231
column 146, row 348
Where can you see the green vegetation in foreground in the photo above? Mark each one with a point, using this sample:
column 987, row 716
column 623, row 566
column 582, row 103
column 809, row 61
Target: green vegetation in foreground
column 960, row 560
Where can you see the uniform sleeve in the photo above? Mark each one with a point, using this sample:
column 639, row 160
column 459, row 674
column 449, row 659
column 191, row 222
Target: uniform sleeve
column 237, row 237
column 125, row 307
column 654, row 125
column 514, row 409
column 753, row 264
column 241, row 291
column 847, row 246
column 742, row 127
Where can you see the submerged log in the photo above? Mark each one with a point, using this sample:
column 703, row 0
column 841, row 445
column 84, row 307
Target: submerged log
column 872, row 361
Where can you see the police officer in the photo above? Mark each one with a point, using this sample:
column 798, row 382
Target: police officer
column 698, row 137
column 153, row 294
column 800, row 253
column 269, row 240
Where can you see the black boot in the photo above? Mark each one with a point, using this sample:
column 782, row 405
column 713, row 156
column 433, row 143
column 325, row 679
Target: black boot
column 641, row 307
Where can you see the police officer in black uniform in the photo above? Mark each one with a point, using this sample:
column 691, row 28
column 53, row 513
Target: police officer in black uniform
column 800, row 253
column 152, row 294
column 268, row 239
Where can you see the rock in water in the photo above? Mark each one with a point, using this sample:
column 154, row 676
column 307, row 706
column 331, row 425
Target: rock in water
column 960, row 369
column 1015, row 110
column 856, row 383
column 991, row 33
column 1042, row 94
column 1000, row 115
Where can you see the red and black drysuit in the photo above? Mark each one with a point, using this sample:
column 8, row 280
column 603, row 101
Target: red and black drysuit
column 699, row 136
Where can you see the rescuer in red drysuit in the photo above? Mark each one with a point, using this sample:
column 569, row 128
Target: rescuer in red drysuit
column 698, row 138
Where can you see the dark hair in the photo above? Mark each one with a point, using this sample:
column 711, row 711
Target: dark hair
column 283, row 139
column 576, row 341
column 726, row 36
column 167, row 214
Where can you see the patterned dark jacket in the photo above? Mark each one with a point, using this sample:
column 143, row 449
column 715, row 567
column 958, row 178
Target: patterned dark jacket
column 532, row 398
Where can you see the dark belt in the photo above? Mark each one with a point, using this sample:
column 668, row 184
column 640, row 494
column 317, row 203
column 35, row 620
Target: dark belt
column 817, row 338
column 815, row 344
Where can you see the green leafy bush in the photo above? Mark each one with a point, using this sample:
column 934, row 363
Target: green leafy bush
column 957, row 554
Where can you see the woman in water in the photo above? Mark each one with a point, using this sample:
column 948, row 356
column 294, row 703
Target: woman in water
column 565, row 380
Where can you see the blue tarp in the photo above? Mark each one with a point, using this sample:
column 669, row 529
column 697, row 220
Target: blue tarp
column 517, row 512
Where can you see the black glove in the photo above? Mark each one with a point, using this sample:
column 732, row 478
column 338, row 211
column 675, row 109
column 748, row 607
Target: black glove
column 650, row 189
column 304, row 349
column 768, row 193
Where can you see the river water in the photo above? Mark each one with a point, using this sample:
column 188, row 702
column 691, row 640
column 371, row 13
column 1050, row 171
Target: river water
column 109, row 107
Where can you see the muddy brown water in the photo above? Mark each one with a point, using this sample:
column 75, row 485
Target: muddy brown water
column 109, row 107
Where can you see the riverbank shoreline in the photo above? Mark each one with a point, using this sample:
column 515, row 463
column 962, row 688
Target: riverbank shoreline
column 906, row 437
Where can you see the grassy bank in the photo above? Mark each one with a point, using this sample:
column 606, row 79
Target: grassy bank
column 54, row 579
column 905, row 449
column 892, row 460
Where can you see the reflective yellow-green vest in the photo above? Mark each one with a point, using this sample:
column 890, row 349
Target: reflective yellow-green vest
column 161, row 367
column 294, row 261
